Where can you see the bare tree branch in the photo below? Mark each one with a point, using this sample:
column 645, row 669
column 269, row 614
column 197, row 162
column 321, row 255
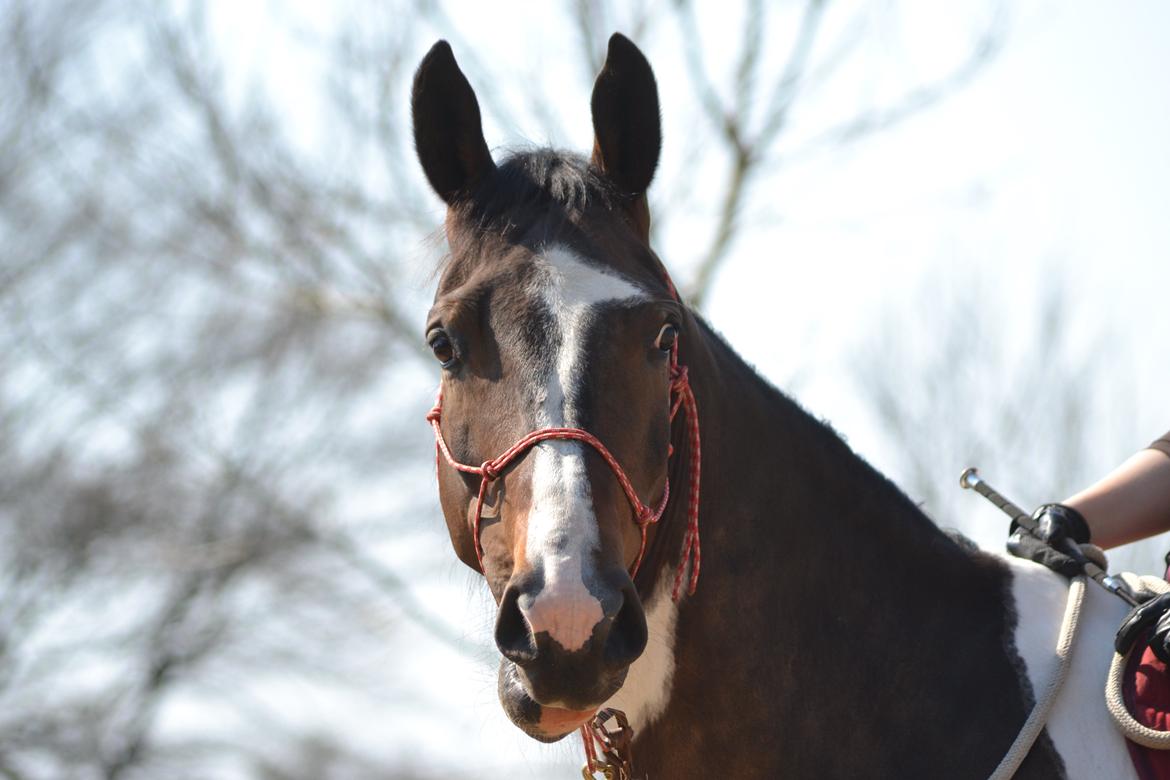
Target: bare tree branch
column 210, row 377
column 912, row 103
column 750, row 151
column 747, row 149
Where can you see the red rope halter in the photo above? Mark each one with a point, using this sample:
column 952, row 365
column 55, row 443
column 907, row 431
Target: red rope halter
column 644, row 515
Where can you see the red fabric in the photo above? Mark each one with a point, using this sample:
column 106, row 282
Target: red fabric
column 1146, row 689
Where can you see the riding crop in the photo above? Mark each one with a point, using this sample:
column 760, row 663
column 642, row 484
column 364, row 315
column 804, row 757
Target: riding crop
column 970, row 480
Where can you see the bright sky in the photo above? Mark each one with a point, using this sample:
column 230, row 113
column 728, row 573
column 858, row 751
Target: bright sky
column 1055, row 158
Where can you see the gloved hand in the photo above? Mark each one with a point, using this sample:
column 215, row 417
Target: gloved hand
column 1055, row 524
column 1156, row 613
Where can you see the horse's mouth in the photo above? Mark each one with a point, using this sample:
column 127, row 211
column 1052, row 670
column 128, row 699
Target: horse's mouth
column 544, row 723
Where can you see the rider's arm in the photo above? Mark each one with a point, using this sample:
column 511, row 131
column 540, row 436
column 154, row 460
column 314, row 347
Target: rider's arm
column 1131, row 502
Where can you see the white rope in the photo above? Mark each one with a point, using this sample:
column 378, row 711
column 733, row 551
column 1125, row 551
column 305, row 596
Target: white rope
column 1040, row 711
column 1144, row 586
column 1114, row 700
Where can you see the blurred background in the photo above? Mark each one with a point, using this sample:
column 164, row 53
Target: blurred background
column 940, row 226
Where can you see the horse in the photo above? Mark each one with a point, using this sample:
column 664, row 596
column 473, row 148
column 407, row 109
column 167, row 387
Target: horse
column 590, row 426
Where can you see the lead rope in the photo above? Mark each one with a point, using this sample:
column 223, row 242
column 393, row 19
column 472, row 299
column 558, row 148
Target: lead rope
column 1114, row 699
column 617, row 762
column 1043, row 707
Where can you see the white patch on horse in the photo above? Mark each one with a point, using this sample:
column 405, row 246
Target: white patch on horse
column 562, row 526
column 1079, row 724
column 646, row 692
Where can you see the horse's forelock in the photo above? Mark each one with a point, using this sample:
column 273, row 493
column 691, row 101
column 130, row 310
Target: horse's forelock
column 540, row 196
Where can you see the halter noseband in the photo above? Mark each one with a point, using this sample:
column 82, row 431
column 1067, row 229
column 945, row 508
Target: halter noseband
column 644, row 515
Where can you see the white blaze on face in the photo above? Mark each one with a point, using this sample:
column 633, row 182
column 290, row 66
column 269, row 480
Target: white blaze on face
column 562, row 526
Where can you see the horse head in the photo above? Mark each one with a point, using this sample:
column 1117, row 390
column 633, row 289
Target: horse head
column 552, row 314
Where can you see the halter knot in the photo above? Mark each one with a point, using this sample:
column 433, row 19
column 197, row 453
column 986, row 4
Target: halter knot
column 435, row 414
column 645, row 515
column 490, row 470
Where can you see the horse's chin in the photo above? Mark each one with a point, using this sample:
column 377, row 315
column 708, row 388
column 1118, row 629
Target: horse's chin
column 541, row 722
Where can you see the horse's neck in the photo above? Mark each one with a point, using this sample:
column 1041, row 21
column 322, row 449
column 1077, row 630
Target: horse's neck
column 775, row 478
column 825, row 596
column 806, row 540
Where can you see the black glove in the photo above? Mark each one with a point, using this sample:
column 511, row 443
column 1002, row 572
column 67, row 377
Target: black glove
column 1055, row 523
column 1156, row 613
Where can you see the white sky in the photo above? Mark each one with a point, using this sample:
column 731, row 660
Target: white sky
column 1054, row 158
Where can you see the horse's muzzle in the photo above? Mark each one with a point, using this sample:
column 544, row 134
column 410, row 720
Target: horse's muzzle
column 545, row 687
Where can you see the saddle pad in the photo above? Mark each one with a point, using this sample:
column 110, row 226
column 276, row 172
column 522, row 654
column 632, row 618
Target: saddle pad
column 1146, row 690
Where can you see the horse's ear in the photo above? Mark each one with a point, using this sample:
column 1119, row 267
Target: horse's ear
column 627, row 128
column 448, row 133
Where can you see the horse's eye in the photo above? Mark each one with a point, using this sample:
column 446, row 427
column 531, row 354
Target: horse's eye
column 440, row 344
column 667, row 337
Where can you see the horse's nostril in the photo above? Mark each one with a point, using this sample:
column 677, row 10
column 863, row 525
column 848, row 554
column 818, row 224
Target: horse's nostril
column 627, row 636
column 513, row 638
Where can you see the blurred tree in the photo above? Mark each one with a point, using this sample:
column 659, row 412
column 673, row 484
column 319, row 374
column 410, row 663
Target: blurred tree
column 209, row 361
column 749, row 117
column 1037, row 398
